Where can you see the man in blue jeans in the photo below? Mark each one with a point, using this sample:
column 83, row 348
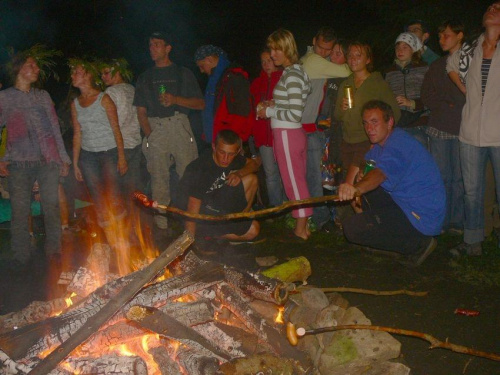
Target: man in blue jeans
column 318, row 67
column 479, row 135
column 403, row 198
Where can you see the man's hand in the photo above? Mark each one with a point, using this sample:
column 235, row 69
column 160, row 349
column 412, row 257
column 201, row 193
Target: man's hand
column 233, row 179
column 4, row 171
column 348, row 192
column 168, row 99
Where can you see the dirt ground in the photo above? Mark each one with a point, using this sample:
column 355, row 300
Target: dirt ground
column 467, row 283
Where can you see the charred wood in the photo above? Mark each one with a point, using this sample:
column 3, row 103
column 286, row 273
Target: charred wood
column 237, row 342
column 275, row 338
column 166, row 364
column 165, row 325
column 196, row 363
column 141, row 278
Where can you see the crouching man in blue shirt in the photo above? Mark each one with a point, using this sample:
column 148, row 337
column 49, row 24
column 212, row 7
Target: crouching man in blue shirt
column 402, row 199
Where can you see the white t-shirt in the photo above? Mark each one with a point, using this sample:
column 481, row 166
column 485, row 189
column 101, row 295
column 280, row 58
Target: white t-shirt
column 122, row 95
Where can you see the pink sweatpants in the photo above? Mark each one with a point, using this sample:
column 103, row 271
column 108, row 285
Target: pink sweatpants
column 290, row 150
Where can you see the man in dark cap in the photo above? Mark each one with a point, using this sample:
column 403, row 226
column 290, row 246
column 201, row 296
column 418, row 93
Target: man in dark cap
column 164, row 95
column 227, row 95
column 422, row 31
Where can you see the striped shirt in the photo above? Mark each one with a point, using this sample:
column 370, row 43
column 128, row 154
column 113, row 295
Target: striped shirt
column 289, row 96
column 485, row 69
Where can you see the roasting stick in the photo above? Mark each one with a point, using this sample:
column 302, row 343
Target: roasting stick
column 144, row 276
column 293, row 335
column 239, row 215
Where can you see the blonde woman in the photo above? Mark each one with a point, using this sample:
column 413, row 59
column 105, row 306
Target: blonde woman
column 285, row 111
column 98, row 150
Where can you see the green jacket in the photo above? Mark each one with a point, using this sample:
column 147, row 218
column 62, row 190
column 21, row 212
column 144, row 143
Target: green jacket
column 373, row 88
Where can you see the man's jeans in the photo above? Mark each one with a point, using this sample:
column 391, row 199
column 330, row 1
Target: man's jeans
column 131, row 181
column 473, row 160
column 274, row 185
column 447, row 156
column 100, row 174
column 383, row 225
column 315, row 143
column 21, row 180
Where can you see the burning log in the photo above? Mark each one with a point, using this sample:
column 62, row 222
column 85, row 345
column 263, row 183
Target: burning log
column 258, row 364
column 85, row 281
column 239, row 305
column 28, row 341
column 163, row 324
column 195, row 363
column 141, row 278
column 166, row 364
column 34, row 312
column 254, row 285
column 237, row 342
column 107, row 365
column 190, row 314
column 257, row 286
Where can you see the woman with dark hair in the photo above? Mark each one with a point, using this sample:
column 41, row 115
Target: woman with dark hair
column 98, row 150
column 262, row 90
column 405, row 77
column 285, row 111
column 365, row 86
column 35, row 152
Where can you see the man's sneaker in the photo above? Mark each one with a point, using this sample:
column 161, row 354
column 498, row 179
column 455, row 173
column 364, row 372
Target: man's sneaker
column 415, row 260
column 474, row 249
column 258, row 239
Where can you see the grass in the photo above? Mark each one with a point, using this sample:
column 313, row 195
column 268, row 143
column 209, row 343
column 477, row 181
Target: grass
column 480, row 270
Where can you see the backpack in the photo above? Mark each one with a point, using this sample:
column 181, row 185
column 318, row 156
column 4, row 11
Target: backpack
column 235, row 110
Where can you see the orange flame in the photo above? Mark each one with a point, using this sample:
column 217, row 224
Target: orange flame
column 279, row 317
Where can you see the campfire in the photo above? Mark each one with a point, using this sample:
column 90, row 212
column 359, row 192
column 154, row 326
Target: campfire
column 192, row 317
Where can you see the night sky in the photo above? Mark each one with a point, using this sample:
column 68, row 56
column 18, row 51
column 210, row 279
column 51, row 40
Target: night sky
column 119, row 28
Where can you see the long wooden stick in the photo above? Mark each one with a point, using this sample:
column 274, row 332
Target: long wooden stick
column 92, row 325
column 374, row 292
column 435, row 343
column 239, row 215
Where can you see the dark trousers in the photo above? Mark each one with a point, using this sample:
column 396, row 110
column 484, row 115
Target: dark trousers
column 383, row 225
column 21, row 180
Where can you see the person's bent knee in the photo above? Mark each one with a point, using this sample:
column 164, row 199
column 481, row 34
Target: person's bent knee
column 250, row 181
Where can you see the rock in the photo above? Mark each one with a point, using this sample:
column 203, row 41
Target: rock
column 362, row 347
column 336, row 299
column 384, row 368
column 266, row 261
column 314, row 298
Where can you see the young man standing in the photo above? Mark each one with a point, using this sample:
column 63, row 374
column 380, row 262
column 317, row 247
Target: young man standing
column 164, row 96
column 227, row 95
column 421, row 30
column 318, row 67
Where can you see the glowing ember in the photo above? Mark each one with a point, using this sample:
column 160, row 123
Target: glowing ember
column 279, row 317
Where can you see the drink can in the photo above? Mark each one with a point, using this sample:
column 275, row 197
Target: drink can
column 162, row 89
column 369, row 166
column 349, row 94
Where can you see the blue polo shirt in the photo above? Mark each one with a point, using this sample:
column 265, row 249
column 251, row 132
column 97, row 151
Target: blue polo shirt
column 413, row 180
